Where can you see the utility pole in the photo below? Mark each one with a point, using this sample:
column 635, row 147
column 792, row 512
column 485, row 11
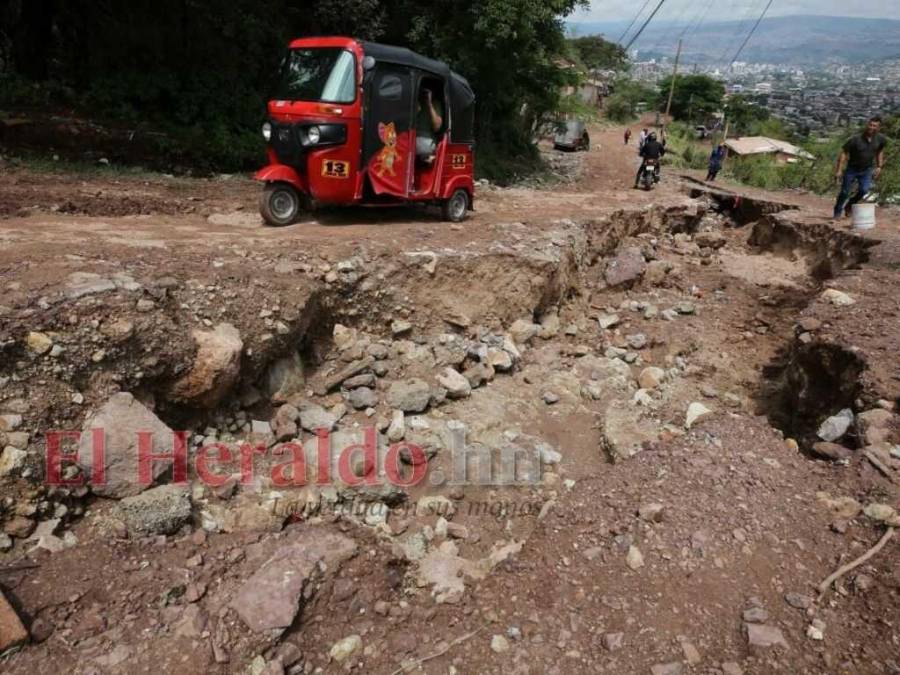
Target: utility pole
column 674, row 77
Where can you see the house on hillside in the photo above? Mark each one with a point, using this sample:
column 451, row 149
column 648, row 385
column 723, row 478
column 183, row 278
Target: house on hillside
column 783, row 151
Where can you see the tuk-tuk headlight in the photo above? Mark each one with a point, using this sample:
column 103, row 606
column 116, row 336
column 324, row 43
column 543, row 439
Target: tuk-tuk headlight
column 314, row 134
column 267, row 131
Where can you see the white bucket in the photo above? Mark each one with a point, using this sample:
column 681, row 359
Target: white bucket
column 864, row 216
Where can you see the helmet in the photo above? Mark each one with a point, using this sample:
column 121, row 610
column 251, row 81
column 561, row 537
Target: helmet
column 652, row 136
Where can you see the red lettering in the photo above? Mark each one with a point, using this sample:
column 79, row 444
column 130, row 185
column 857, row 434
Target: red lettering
column 146, row 458
column 392, row 465
column 292, row 473
column 223, row 456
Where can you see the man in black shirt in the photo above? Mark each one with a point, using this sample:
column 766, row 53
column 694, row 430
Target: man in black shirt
column 863, row 157
column 651, row 149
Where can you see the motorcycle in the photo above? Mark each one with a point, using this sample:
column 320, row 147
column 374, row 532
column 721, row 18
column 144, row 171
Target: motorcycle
column 650, row 174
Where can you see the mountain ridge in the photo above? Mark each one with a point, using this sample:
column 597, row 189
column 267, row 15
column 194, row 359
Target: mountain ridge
column 797, row 39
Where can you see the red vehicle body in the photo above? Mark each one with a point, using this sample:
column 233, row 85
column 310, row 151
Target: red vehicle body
column 343, row 130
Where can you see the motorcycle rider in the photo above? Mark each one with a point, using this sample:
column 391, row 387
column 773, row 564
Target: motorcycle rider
column 652, row 149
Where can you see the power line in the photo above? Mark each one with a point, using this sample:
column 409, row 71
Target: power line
column 752, row 7
column 646, row 23
column 633, row 21
column 755, row 26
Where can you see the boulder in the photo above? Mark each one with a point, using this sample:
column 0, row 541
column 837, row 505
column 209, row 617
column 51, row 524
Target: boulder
column 12, row 632
column 284, row 423
column 270, row 599
column 695, row 413
column 160, row 510
column 412, row 396
column 626, row 268
column 522, row 331
column 837, row 298
column 836, row 426
column 314, row 416
column 215, row 370
column 122, row 417
column 456, row 385
column 650, row 378
column 875, row 426
column 831, row 451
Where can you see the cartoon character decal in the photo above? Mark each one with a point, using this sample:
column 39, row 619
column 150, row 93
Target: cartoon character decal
column 389, row 156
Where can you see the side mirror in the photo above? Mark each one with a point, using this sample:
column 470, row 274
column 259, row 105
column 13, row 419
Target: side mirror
column 368, row 62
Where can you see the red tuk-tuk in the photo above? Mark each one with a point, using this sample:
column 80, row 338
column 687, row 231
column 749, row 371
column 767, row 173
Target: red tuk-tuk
column 346, row 127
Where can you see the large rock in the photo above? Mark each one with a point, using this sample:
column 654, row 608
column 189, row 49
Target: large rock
column 161, row 510
column 761, row 637
column 410, row 396
column 12, row 632
column 626, row 268
column 284, row 423
column 122, row 418
column 456, row 385
column 270, row 599
column 875, row 426
column 285, row 377
column 624, row 432
column 314, row 416
column 215, row 370
column 831, row 451
column 836, row 426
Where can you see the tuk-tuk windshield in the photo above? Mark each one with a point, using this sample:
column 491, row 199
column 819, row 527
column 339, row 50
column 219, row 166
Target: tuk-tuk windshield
column 325, row 74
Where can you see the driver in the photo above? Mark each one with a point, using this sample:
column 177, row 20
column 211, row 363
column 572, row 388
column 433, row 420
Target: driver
column 429, row 120
column 652, row 149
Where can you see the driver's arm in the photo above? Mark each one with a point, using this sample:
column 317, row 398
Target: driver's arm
column 436, row 120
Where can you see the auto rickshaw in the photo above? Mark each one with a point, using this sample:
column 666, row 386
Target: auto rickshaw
column 342, row 130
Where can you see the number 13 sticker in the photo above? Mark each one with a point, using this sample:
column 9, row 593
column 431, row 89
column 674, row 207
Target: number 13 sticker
column 335, row 169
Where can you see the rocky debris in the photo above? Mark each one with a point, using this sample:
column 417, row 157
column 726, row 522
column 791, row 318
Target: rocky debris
column 550, row 397
column 626, row 268
column 270, row 599
column 834, row 428
column 361, row 398
column 10, row 422
column 38, row 343
column 831, row 451
column 874, row 426
column 343, row 649
column 695, row 413
column 12, row 460
column 731, row 668
column 160, row 510
column 121, row 419
column 523, row 331
column 837, row 298
column 636, row 341
column 607, row 321
column 314, row 416
column 336, row 379
column 499, row 644
column 12, row 632
column 881, row 513
column 410, row 396
column 761, row 637
column 215, row 369
column 399, row 328
column 284, row 424
column 674, row 668
column 634, row 559
column 285, row 377
column 710, row 239
column 456, row 385
column 613, row 641
column 651, row 378
column 652, row 512
column 397, row 429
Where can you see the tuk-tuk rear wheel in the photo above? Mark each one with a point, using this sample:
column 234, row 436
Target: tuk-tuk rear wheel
column 455, row 208
column 280, row 204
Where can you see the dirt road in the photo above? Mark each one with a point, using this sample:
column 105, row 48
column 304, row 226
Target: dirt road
column 670, row 361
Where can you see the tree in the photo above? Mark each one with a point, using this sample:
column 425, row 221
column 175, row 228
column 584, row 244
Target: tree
column 695, row 96
column 596, row 53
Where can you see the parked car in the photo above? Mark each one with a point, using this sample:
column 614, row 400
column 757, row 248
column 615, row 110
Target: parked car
column 573, row 138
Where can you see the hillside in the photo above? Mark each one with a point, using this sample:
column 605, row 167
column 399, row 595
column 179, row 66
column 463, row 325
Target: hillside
column 801, row 40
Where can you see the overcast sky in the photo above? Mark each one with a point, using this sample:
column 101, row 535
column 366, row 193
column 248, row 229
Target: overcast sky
column 684, row 10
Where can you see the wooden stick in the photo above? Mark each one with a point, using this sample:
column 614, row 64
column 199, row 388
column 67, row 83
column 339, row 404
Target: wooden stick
column 441, row 652
column 825, row 585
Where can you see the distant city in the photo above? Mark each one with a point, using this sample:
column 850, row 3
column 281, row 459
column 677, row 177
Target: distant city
column 809, row 100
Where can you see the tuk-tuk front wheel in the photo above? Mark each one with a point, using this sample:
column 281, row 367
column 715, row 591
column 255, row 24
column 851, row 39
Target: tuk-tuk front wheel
column 454, row 209
column 280, row 204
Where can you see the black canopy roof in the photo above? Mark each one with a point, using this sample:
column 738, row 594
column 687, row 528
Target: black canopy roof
column 459, row 86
